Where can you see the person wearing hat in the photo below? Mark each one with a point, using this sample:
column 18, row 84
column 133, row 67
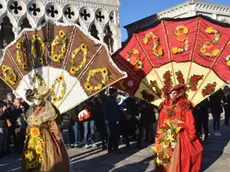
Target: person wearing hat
column 184, row 150
column 44, row 149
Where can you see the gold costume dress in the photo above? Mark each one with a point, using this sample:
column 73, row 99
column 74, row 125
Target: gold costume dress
column 44, row 150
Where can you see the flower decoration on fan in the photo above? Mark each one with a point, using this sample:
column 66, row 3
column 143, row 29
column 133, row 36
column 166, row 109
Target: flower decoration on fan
column 9, row 75
column 156, row 50
column 166, row 140
column 209, row 89
column 125, row 85
column 133, row 60
column 37, row 39
column 57, row 95
column 73, row 69
column 38, row 78
column 20, row 53
column 168, row 79
column 228, row 61
column 33, row 152
column 36, row 121
column 193, row 81
column 181, row 32
column 157, row 90
column 61, row 38
column 210, row 43
column 105, row 78
column 180, row 77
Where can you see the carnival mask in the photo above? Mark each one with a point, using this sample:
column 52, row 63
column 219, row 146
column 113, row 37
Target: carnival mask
column 38, row 101
column 173, row 95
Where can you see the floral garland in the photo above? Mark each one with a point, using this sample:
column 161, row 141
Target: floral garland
column 33, row 154
column 73, row 69
column 193, row 81
column 146, row 96
column 105, row 74
column 156, row 42
column 228, row 61
column 209, row 44
column 126, row 85
column 209, row 89
column 18, row 56
column 7, row 70
column 37, row 38
column 54, row 96
column 168, row 80
column 166, row 141
column 181, row 32
column 61, row 38
column 38, row 77
column 133, row 60
column 157, row 89
column 180, row 77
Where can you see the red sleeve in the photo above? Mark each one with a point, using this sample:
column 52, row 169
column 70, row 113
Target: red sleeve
column 190, row 124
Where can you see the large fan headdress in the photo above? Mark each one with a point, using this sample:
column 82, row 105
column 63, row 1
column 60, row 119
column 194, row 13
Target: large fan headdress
column 193, row 51
column 62, row 57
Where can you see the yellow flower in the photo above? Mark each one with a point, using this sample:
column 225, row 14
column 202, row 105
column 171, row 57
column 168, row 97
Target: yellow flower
column 178, row 129
column 160, row 52
column 215, row 52
column 209, row 30
column 54, row 99
column 61, row 78
column 18, row 45
column 39, row 150
column 61, row 33
column 34, row 132
column 145, row 40
column 176, row 32
column 40, row 61
column 55, row 42
column 228, row 63
column 158, row 161
column 3, row 67
column 36, row 120
column 135, row 51
column 63, row 92
column 202, row 50
column 88, row 87
column 91, row 73
column 170, row 138
column 185, row 29
column 175, row 50
column 63, row 50
column 99, row 86
column 154, row 149
column 35, row 36
column 40, row 159
column 168, row 122
column 72, row 71
column 56, row 58
column 26, row 153
column 83, row 47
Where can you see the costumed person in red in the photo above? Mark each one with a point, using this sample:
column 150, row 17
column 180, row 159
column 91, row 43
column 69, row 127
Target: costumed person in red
column 177, row 146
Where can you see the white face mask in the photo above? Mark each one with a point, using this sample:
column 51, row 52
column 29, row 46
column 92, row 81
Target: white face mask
column 37, row 101
column 173, row 94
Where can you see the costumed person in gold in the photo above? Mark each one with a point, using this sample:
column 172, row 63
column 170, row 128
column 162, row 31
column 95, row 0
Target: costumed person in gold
column 44, row 150
column 177, row 146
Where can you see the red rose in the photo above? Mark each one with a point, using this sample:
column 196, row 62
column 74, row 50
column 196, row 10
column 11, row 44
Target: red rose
column 160, row 155
column 165, row 126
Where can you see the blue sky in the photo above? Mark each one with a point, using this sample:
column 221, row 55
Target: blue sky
column 133, row 10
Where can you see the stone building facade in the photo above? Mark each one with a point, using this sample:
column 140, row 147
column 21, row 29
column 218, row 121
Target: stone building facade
column 188, row 9
column 98, row 17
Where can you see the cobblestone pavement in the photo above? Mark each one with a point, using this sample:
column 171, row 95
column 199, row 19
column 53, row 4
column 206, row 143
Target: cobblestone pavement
column 216, row 158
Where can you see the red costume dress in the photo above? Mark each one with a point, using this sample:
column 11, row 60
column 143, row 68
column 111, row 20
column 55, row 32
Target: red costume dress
column 188, row 155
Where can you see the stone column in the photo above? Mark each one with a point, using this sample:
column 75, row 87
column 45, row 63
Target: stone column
column 16, row 31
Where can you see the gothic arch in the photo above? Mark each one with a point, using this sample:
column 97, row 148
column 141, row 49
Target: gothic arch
column 93, row 30
column 108, row 38
column 25, row 24
column 6, row 33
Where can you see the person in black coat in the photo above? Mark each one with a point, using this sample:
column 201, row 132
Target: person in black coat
column 226, row 101
column 130, row 128
column 201, row 112
column 216, row 110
